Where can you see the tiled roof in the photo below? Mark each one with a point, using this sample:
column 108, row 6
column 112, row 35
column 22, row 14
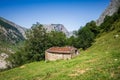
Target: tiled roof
column 61, row 49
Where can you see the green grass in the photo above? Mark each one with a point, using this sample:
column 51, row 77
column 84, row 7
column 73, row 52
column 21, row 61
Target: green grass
column 100, row 62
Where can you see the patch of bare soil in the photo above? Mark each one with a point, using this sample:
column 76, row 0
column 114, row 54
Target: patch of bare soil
column 77, row 72
column 22, row 66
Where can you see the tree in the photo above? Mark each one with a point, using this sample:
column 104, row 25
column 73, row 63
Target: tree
column 34, row 47
column 72, row 41
column 36, row 43
column 85, row 37
column 93, row 27
column 57, row 38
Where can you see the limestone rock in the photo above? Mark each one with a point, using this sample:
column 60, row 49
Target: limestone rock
column 109, row 11
column 56, row 27
column 11, row 32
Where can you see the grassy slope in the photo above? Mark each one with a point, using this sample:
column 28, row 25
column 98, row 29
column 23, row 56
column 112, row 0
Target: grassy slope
column 99, row 62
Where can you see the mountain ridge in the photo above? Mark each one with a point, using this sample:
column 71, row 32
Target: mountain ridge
column 109, row 11
column 20, row 28
column 56, row 27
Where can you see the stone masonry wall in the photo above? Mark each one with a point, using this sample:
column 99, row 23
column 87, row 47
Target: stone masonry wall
column 57, row 56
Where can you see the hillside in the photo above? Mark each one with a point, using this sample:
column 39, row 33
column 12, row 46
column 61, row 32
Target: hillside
column 99, row 62
column 10, row 35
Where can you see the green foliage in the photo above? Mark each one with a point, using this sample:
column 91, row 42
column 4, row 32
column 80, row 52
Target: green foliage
column 36, row 43
column 93, row 27
column 108, row 21
column 57, row 38
column 34, row 47
column 72, row 41
column 18, row 58
column 85, row 37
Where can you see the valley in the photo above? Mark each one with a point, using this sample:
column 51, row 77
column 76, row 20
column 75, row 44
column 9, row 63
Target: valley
column 96, row 46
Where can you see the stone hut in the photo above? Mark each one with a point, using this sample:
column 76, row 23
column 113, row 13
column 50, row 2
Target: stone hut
column 57, row 53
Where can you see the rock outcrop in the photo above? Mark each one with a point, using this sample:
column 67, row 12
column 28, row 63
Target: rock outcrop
column 11, row 32
column 3, row 62
column 56, row 27
column 110, row 10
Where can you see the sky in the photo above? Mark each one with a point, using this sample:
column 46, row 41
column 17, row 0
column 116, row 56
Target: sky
column 71, row 13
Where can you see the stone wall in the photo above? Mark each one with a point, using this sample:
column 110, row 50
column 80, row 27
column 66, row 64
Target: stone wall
column 57, row 56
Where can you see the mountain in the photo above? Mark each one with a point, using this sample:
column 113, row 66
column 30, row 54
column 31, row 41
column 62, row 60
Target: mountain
column 56, row 27
column 109, row 11
column 99, row 62
column 11, row 32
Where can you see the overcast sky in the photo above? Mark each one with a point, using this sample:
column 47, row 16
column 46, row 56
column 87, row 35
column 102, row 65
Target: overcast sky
column 71, row 13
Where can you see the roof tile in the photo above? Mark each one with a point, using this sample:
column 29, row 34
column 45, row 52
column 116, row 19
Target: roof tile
column 66, row 49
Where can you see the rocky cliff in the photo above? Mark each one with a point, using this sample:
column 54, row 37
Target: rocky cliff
column 110, row 10
column 56, row 27
column 11, row 32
